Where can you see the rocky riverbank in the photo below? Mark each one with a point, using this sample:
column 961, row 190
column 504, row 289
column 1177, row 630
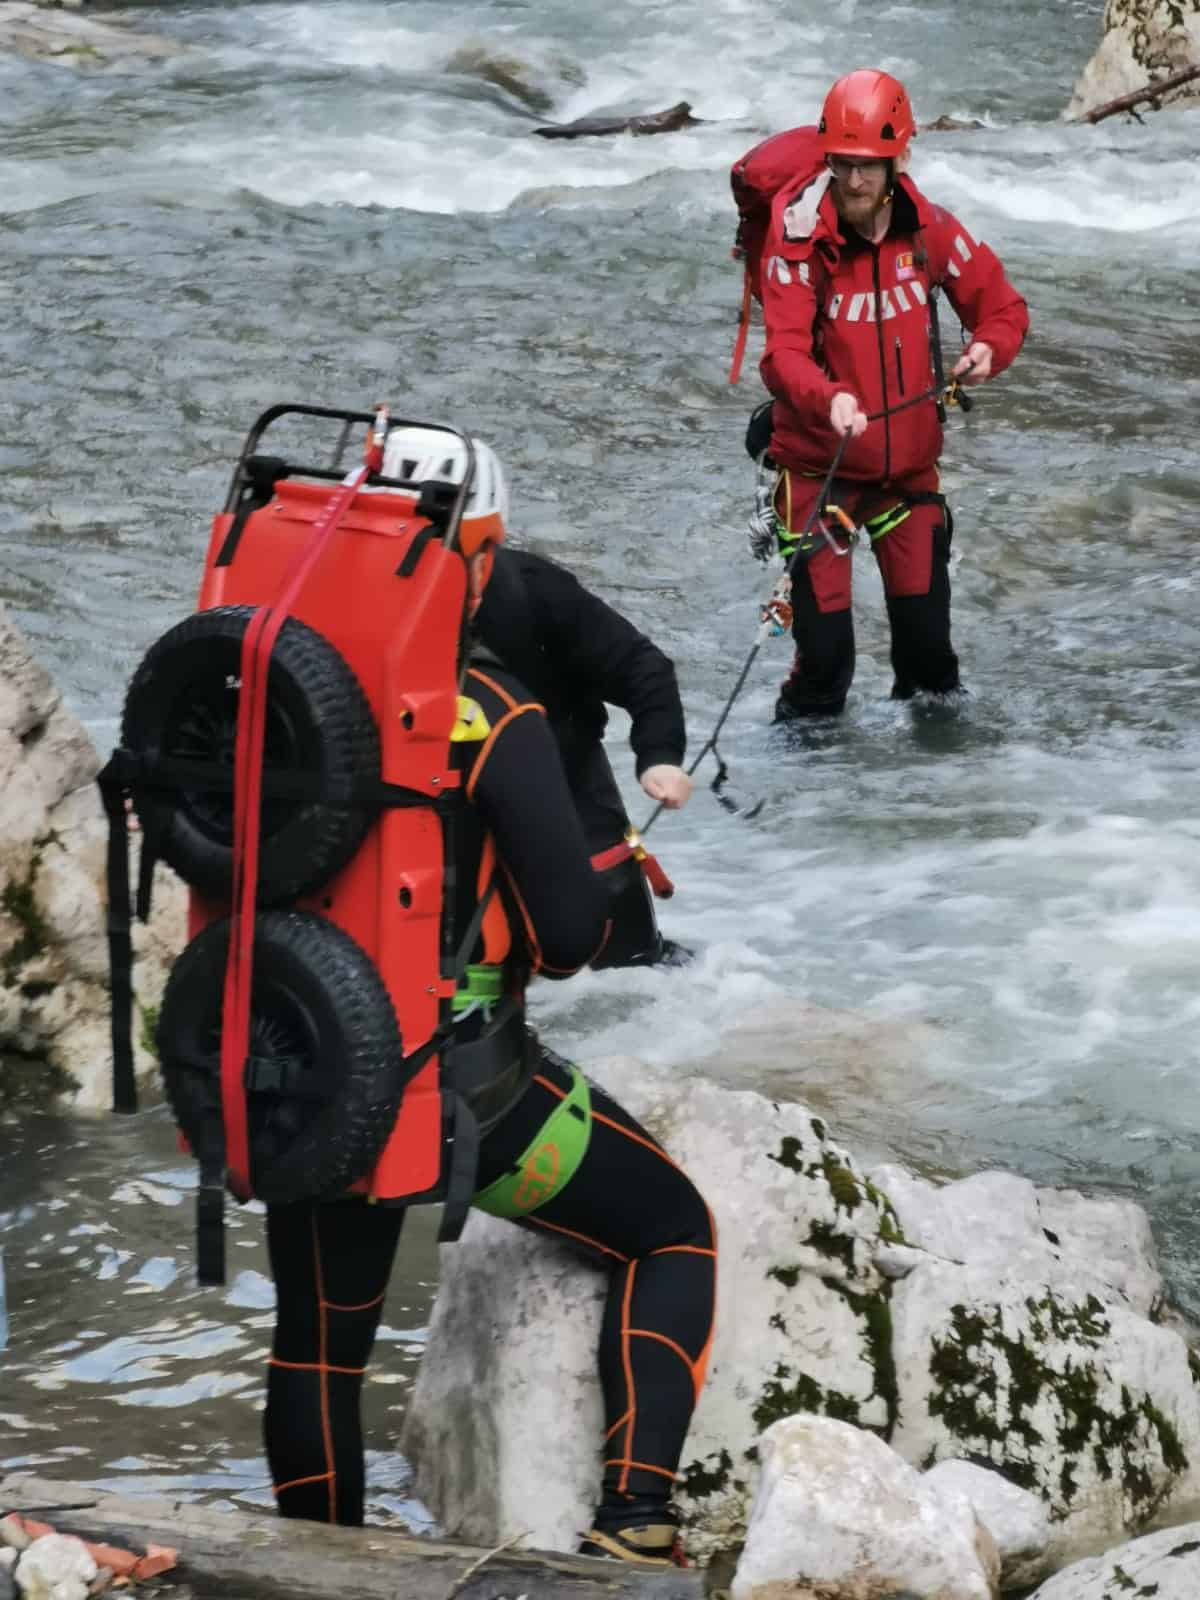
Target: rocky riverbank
column 54, row 995
column 898, row 1365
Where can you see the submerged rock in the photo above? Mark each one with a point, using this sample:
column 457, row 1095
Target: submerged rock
column 1143, row 40
column 986, row 1320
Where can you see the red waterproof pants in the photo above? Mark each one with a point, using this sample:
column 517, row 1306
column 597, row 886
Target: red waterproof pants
column 913, row 558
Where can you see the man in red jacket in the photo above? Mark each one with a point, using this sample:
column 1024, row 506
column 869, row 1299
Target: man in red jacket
column 851, row 264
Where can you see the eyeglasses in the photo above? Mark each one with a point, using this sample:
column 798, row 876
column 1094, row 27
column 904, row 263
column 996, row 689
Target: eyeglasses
column 843, row 167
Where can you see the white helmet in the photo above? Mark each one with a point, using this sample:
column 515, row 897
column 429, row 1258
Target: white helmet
column 413, row 455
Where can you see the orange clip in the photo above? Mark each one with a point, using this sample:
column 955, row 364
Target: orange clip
column 840, row 516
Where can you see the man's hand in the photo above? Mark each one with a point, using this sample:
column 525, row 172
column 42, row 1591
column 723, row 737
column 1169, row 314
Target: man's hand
column 845, row 415
column 977, row 357
column 670, row 785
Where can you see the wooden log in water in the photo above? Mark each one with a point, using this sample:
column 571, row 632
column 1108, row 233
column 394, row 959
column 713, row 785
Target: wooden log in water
column 1148, row 93
column 249, row 1555
column 668, row 121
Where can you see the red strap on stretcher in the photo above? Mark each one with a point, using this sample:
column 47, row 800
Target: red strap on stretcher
column 257, row 644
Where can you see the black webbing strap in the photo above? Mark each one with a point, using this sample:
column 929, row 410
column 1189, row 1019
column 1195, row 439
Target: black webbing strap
column 111, row 783
column 210, row 1219
column 461, row 1179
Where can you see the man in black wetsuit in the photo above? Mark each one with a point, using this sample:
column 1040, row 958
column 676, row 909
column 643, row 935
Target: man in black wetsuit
column 609, row 1189
column 575, row 653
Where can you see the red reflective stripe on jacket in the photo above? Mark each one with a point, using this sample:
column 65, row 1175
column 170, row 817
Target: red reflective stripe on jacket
column 869, row 309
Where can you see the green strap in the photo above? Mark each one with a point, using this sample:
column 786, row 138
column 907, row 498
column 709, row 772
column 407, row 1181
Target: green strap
column 549, row 1161
column 884, row 521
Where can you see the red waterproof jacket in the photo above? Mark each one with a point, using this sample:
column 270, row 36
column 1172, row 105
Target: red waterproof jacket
column 842, row 314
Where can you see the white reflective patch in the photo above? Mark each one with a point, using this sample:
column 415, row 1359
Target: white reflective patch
column 952, row 269
column 858, row 303
column 777, row 268
column 889, row 309
column 918, row 288
column 835, row 305
column 960, row 244
column 901, row 298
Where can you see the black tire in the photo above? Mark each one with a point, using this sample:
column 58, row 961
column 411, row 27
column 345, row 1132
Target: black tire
column 182, row 704
column 321, row 1021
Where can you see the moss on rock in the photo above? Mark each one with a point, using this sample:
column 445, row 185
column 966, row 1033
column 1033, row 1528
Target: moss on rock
column 988, row 1385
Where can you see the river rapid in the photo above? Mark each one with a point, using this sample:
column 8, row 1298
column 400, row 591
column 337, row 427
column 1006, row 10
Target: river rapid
column 970, row 942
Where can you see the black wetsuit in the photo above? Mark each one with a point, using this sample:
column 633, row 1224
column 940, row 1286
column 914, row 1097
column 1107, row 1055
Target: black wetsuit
column 575, row 653
column 627, row 1206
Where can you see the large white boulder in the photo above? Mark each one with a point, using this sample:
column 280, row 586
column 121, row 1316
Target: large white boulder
column 1025, row 1337
column 1162, row 1566
column 838, row 1511
column 985, row 1320
column 1143, row 41
column 801, row 1326
column 54, row 1002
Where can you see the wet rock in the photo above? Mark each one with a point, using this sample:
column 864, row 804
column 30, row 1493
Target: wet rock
column 1018, row 1521
column 54, row 1003
column 948, row 124
column 668, row 121
column 1162, row 1566
column 532, row 81
column 62, row 34
column 838, row 1512
column 1143, row 40
column 986, row 1320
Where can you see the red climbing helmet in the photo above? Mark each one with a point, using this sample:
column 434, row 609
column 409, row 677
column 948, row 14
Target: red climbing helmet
column 866, row 113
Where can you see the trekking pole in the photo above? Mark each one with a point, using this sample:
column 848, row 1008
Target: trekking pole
column 775, row 615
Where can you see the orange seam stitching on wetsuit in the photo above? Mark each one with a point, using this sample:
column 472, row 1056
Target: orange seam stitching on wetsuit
column 637, row 1138
column 494, row 687
column 297, row 1483
column 535, row 948
column 488, row 744
column 595, row 1244
column 701, row 1367
column 366, row 1305
column 642, row 1466
column 313, row 1366
column 646, row 1333
column 617, row 1424
column 684, row 1249
column 326, row 1433
column 627, row 1363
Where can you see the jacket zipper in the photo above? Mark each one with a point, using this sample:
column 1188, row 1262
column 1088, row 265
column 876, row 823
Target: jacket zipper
column 887, row 425
column 899, row 369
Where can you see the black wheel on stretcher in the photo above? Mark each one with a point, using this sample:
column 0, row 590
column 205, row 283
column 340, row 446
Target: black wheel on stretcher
column 321, row 755
column 325, row 1072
